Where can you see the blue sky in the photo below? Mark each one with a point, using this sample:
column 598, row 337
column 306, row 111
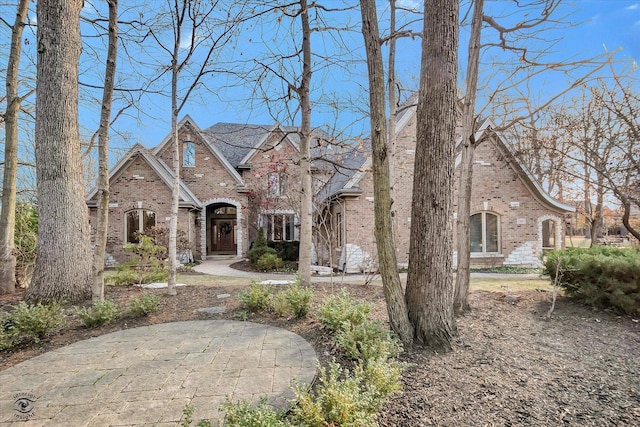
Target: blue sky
column 598, row 23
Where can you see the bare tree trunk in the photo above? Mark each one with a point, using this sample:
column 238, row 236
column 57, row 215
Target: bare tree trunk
column 429, row 291
column 396, row 306
column 175, row 193
column 102, row 223
column 393, row 115
column 8, row 214
column 304, row 261
column 461, row 299
column 63, row 266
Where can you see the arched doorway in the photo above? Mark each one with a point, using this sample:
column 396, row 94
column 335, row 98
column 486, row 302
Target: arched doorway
column 222, row 229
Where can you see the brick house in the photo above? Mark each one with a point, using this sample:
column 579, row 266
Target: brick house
column 235, row 178
column 513, row 219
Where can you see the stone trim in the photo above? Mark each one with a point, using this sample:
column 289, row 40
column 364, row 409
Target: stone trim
column 203, row 221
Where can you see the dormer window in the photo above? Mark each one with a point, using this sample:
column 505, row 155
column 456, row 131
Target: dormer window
column 188, row 154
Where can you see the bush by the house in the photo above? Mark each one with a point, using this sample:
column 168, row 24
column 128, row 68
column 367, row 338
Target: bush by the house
column 259, row 248
column 288, row 251
column 341, row 308
column 145, row 267
column 34, row 322
column 604, row 277
column 269, row 262
column 257, row 297
column 102, row 312
column 144, row 305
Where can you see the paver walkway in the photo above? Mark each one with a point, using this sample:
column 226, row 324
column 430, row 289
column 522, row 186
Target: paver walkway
column 147, row 375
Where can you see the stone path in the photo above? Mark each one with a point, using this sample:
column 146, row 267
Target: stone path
column 147, row 375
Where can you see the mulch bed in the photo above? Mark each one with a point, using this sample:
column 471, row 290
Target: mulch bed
column 510, row 365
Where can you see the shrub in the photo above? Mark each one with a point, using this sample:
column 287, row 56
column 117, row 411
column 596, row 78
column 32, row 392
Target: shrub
column 25, row 240
column 6, row 331
column 603, row 277
column 244, row 414
column 144, row 305
column 339, row 400
column 298, row 298
column 259, row 248
column 367, row 340
column 269, row 262
column 287, row 250
column 279, row 303
column 146, row 267
column 341, row 308
column 34, row 322
column 257, row 297
column 102, row 312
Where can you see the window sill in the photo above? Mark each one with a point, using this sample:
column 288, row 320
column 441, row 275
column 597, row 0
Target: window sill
column 486, row 255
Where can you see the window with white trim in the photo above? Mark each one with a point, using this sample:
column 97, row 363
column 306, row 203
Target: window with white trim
column 138, row 222
column 484, row 233
column 188, row 154
column 277, row 184
column 280, row 226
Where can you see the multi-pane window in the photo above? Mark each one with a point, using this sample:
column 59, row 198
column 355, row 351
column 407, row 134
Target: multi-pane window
column 484, row 228
column 339, row 226
column 280, row 226
column 188, row 154
column 138, row 222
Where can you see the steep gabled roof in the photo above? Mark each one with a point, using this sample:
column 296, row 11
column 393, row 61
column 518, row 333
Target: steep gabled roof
column 212, row 147
column 521, row 170
column 235, row 140
column 486, row 126
column 187, row 198
column 350, row 163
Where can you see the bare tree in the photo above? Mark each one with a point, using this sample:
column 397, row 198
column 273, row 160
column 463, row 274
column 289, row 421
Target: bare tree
column 102, row 223
column 198, row 30
column 388, row 265
column 429, row 292
column 461, row 299
column 63, row 266
column 8, row 213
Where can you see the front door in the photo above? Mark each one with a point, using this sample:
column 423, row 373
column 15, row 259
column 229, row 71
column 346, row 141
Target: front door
column 224, row 231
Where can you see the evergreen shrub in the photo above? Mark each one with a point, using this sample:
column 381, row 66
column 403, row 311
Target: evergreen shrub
column 601, row 276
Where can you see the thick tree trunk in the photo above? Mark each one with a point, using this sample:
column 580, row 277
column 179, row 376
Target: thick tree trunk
column 396, row 306
column 465, row 181
column 97, row 290
column 393, row 116
column 8, row 213
column 304, row 262
column 63, row 266
column 429, row 291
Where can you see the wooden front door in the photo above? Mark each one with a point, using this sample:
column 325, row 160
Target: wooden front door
column 224, row 231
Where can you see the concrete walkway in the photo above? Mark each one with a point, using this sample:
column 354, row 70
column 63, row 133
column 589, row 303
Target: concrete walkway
column 147, row 375
column 222, row 267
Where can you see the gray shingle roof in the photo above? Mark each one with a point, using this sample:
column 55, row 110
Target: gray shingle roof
column 235, row 140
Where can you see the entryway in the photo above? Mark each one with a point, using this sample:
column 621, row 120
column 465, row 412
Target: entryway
column 222, row 229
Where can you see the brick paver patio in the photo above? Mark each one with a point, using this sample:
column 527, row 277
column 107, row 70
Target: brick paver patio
column 147, row 375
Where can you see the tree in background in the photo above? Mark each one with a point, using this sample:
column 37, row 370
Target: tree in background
column 63, row 266
column 9, row 188
column 102, row 223
column 388, row 264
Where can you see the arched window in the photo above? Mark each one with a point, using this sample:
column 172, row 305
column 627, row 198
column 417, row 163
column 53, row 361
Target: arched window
column 138, row 222
column 484, row 233
column 188, row 154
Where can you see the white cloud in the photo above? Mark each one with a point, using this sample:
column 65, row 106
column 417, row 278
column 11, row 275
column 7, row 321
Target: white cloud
column 632, row 7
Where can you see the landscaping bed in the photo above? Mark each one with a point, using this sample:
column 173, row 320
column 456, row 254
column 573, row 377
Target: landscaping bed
column 510, row 364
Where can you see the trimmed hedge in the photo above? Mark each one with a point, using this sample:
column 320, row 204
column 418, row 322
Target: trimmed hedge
column 603, row 277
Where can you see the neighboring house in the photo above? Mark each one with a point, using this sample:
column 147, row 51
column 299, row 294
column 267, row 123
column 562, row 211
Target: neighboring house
column 512, row 219
column 236, row 177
